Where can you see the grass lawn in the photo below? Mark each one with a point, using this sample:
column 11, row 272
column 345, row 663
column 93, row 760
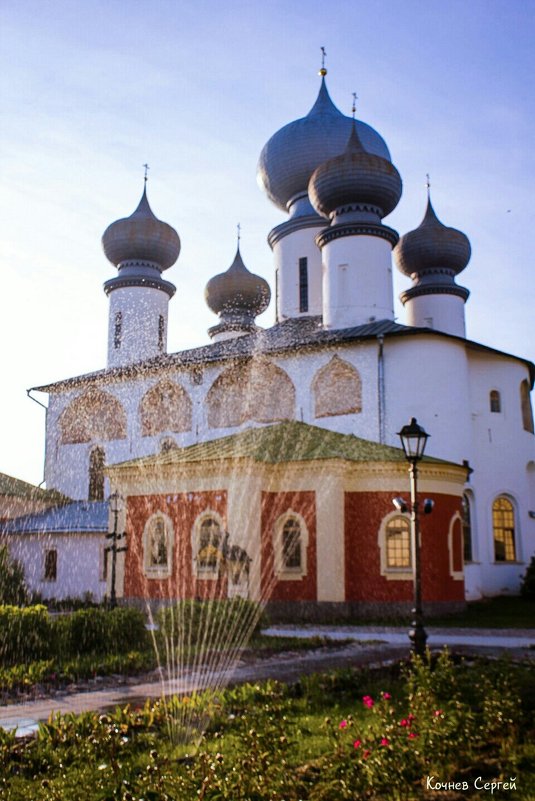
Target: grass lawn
column 346, row 735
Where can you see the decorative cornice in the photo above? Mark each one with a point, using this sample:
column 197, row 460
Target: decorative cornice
column 140, row 281
column 357, row 229
column 437, row 289
column 295, row 224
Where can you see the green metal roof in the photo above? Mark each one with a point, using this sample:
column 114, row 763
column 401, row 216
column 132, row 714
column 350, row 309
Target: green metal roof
column 283, row 442
column 16, row 488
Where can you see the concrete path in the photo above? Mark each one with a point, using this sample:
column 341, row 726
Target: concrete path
column 373, row 646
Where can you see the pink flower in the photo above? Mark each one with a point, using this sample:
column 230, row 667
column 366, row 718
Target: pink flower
column 366, row 754
column 357, row 743
column 368, row 701
column 438, row 713
column 387, row 696
column 385, row 741
column 410, row 717
column 412, row 735
column 404, row 722
column 342, row 724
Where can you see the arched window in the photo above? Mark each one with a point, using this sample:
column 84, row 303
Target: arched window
column 495, row 401
column 165, row 407
column 290, row 546
column 467, row 528
column 97, row 460
column 527, row 413
column 258, row 391
column 158, row 546
column 395, row 552
column 503, row 527
column 208, row 536
column 398, row 543
column 95, row 415
column 337, row 389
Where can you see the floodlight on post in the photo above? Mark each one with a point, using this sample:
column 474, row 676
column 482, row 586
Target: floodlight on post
column 413, row 440
column 116, row 504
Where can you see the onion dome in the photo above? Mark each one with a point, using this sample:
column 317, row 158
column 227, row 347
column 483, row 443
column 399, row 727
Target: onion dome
column 356, row 179
column 142, row 237
column 432, row 248
column 292, row 154
column 237, row 291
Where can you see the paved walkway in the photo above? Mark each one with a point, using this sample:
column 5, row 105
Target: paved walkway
column 374, row 646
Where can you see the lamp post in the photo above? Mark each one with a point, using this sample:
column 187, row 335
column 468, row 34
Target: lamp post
column 115, row 505
column 413, row 440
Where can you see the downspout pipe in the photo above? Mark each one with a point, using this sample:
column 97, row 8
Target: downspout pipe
column 36, row 400
column 381, row 388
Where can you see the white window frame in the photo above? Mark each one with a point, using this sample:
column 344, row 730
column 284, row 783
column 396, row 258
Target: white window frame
column 158, row 571
column 204, row 572
column 458, row 575
column 282, row 572
column 393, row 573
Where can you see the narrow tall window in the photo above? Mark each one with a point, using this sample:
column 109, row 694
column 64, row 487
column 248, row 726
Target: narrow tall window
column 303, row 284
column 527, row 413
column 51, row 565
column 277, row 296
column 96, row 474
column 118, row 330
column 503, row 526
column 398, row 543
column 495, row 401
column 467, row 529
column 210, row 540
column 161, row 331
column 291, row 545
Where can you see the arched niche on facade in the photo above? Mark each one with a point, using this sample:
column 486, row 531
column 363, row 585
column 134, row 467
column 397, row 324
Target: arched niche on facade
column 258, row 391
column 165, row 407
column 525, row 405
column 337, row 389
column 94, row 415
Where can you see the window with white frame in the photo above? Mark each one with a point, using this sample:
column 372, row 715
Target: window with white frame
column 503, row 527
column 395, row 547
column 290, row 546
column 158, row 546
column 208, row 534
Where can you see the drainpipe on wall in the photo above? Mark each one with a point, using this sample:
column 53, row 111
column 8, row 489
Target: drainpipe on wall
column 29, row 394
column 381, row 388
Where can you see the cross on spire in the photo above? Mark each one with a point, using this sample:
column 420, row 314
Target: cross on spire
column 238, row 228
column 354, row 106
column 323, row 70
column 146, row 178
column 428, row 183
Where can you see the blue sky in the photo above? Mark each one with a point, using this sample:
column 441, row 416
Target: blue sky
column 92, row 90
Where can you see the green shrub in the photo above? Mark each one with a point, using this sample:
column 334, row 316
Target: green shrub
column 25, row 634
column 100, row 631
column 527, row 588
column 219, row 624
column 12, row 583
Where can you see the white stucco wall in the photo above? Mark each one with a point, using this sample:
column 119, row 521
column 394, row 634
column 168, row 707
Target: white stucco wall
column 141, row 308
column 357, row 281
column 286, row 252
column 442, row 312
column 79, row 563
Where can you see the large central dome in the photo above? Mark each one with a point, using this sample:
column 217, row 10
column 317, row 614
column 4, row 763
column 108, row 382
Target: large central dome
column 292, row 154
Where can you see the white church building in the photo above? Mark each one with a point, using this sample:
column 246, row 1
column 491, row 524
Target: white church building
column 336, row 361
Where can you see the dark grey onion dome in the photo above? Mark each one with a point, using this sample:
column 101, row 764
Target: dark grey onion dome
column 432, row 247
column 237, row 292
column 292, row 154
column 141, row 237
column 355, row 177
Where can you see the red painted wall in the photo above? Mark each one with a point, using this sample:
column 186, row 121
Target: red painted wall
column 183, row 509
column 274, row 504
column 364, row 512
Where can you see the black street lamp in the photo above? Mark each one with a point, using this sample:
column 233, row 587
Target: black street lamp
column 413, row 439
column 116, row 505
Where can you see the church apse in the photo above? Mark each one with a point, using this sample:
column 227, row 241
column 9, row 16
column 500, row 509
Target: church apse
column 93, row 416
column 165, row 407
column 258, row 391
column 337, row 389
